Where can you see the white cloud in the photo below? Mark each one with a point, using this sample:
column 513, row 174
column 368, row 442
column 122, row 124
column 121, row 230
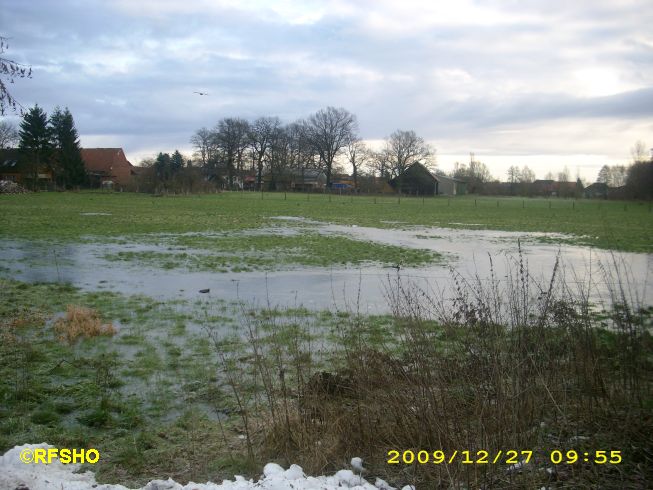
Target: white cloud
column 599, row 81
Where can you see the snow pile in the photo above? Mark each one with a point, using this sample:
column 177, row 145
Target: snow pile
column 14, row 474
column 9, row 187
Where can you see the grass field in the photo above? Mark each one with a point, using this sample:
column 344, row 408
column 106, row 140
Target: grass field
column 199, row 389
column 626, row 226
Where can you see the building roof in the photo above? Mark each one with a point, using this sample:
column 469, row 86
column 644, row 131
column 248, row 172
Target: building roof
column 446, row 177
column 439, row 177
column 102, row 160
column 598, row 186
column 307, row 173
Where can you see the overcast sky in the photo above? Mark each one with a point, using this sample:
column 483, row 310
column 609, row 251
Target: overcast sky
column 545, row 83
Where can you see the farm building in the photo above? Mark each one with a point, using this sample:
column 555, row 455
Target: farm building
column 307, row 179
column 17, row 166
column 304, row 180
column 107, row 166
column 597, row 190
column 418, row 180
column 544, row 187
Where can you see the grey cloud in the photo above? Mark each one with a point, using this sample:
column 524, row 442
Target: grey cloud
column 255, row 63
column 538, row 107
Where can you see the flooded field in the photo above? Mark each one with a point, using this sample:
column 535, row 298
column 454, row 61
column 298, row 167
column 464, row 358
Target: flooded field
column 230, row 318
column 158, row 265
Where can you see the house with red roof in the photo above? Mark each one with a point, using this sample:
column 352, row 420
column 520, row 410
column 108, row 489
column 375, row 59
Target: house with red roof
column 108, row 166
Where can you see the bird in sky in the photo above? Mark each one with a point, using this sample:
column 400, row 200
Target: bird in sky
column 201, row 93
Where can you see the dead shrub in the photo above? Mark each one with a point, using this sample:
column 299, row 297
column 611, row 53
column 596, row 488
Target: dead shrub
column 81, row 322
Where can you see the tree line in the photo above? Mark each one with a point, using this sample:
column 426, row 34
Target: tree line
column 635, row 180
column 325, row 140
column 267, row 149
column 170, row 173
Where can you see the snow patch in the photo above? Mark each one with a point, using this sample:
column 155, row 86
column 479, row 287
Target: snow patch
column 14, row 474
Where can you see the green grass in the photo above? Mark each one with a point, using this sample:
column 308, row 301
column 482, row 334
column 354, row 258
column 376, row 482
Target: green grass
column 614, row 225
column 247, row 253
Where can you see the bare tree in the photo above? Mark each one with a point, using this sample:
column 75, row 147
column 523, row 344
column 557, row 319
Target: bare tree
column 280, row 156
column 476, row 174
column 202, row 141
column 619, row 175
column 613, row 175
column 358, row 154
column 379, row 163
column 476, row 171
column 404, row 148
column 604, row 175
column 10, row 71
column 302, row 153
column 639, row 152
column 329, row 130
column 8, row 134
column 564, row 175
column 231, row 136
column 261, row 134
column 526, row 175
column 513, row 174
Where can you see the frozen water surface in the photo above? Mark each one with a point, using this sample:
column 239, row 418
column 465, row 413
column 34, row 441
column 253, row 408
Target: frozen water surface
column 466, row 251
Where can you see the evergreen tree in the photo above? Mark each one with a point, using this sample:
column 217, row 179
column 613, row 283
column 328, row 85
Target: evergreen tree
column 176, row 162
column 35, row 140
column 162, row 166
column 70, row 166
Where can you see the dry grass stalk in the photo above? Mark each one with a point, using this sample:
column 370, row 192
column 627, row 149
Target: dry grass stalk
column 81, row 322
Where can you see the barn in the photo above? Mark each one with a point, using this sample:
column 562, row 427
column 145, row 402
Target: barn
column 418, row 180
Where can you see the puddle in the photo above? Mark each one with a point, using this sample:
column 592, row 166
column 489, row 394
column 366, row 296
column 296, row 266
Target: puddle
column 467, row 251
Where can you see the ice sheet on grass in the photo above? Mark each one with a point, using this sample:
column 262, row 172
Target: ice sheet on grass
column 14, row 473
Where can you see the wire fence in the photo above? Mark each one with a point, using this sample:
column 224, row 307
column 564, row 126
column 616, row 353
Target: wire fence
column 466, row 201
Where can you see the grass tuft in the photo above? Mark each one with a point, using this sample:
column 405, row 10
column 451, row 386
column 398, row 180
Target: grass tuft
column 81, row 322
